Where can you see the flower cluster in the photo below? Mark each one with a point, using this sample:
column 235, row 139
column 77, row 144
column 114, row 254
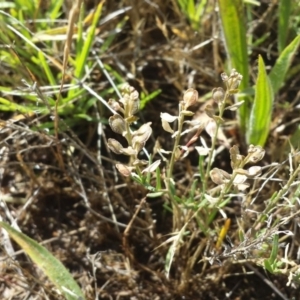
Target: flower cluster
column 240, row 175
column 120, row 122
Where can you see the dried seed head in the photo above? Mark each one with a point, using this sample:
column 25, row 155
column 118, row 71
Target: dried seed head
column 190, row 97
column 130, row 100
column 125, row 88
column 255, row 154
column 115, row 105
column 124, row 170
column 129, row 151
column 218, row 95
column 219, row 176
column 117, row 124
column 232, row 81
column 114, row 146
column 140, row 136
column 134, row 102
column 133, row 106
column 224, row 77
column 235, row 157
column 138, row 146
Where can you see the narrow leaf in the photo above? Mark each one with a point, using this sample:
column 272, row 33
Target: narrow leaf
column 284, row 10
column 274, row 251
column 278, row 73
column 268, row 266
column 234, row 29
column 81, row 60
column 260, row 117
column 51, row 266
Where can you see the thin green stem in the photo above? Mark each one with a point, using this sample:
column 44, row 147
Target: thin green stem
column 176, row 144
column 215, row 137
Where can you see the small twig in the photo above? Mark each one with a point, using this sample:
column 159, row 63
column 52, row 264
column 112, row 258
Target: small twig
column 126, row 232
column 72, row 19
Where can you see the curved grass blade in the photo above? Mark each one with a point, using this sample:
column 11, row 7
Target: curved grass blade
column 278, row 72
column 51, row 266
column 234, row 29
column 260, row 117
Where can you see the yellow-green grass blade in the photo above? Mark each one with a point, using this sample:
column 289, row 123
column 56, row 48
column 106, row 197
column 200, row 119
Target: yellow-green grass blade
column 270, row 263
column 55, row 9
column 147, row 98
column 261, row 112
column 45, row 65
column 51, row 266
column 82, row 58
column 234, row 29
column 284, row 11
column 193, row 11
column 6, row 105
column 80, row 40
column 283, row 63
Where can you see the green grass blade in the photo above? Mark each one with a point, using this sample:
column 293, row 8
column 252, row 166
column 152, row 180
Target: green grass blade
column 260, row 117
column 6, row 105
column 82, row 58
column 51, row 266
column 270, row 263
column 45, row 65
column 274, row 251
column 147, row 98
column 284, row 11
column 55, row 9
column 278, row 72
column 234, row 29
column 80, row 40
column 193, row 11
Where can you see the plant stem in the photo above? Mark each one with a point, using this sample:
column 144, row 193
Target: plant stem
column 214, row 140
column 176, row 144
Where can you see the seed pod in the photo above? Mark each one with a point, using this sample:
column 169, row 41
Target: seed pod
column 255, row 154
column 117, row 124
column 218, row 95
column 140, row 136
column 124, row 170
column 219, row 176
column 190, row 97
column 115, row 146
